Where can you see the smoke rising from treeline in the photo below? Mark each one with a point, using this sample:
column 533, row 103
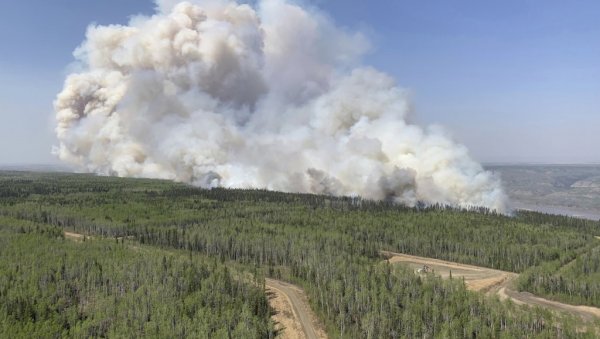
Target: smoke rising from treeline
column 217, row 93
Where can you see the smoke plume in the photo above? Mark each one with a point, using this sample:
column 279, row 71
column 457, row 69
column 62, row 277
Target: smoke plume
column 217, row 93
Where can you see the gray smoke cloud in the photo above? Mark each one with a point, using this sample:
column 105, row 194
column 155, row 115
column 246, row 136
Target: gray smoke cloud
column 216, row 93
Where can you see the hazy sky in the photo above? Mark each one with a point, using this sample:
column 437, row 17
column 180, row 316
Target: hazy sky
column 515, row 81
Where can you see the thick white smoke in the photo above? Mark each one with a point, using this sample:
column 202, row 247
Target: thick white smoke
column 216, row 93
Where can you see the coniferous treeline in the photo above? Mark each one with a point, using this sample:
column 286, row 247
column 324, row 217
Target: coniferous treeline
column 486, row 239
column 577, row 281
column 328, row 245
column 51, row 287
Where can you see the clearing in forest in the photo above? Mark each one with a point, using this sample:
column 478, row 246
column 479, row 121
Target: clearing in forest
column 490, row 281
column 75, row 236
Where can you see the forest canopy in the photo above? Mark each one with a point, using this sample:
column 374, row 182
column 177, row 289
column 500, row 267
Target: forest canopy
column 169, row 259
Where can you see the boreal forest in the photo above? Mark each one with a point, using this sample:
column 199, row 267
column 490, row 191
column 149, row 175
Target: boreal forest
column 104, row 257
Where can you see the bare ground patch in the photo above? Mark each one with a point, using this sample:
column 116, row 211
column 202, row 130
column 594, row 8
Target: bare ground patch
column 293, row 314
column 491, row 282
column 75, row 236
column 286, row 323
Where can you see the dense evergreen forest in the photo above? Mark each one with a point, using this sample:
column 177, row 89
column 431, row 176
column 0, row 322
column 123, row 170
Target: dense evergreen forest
column 51, row 287
column 164, row 255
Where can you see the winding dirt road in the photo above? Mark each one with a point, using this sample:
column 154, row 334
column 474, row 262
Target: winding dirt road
column 294, row 317
column 491, row 281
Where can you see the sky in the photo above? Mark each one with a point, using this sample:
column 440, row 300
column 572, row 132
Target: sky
column 513, row 80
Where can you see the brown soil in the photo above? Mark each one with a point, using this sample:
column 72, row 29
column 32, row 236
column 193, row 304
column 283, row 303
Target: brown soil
column 286, row 323
column 75, row 236
column 476, row 278
column 491, row 281
column 293, row 315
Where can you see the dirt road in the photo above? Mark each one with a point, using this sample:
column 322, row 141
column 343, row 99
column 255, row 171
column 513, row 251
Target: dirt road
column 295, row 319
column 491, row 281
column 294, row 316
column 74, row 236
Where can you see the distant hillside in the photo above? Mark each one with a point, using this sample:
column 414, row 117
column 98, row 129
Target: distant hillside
column 36, row 167
column 560, row 189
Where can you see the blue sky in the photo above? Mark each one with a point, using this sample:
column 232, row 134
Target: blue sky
column 515, row 81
